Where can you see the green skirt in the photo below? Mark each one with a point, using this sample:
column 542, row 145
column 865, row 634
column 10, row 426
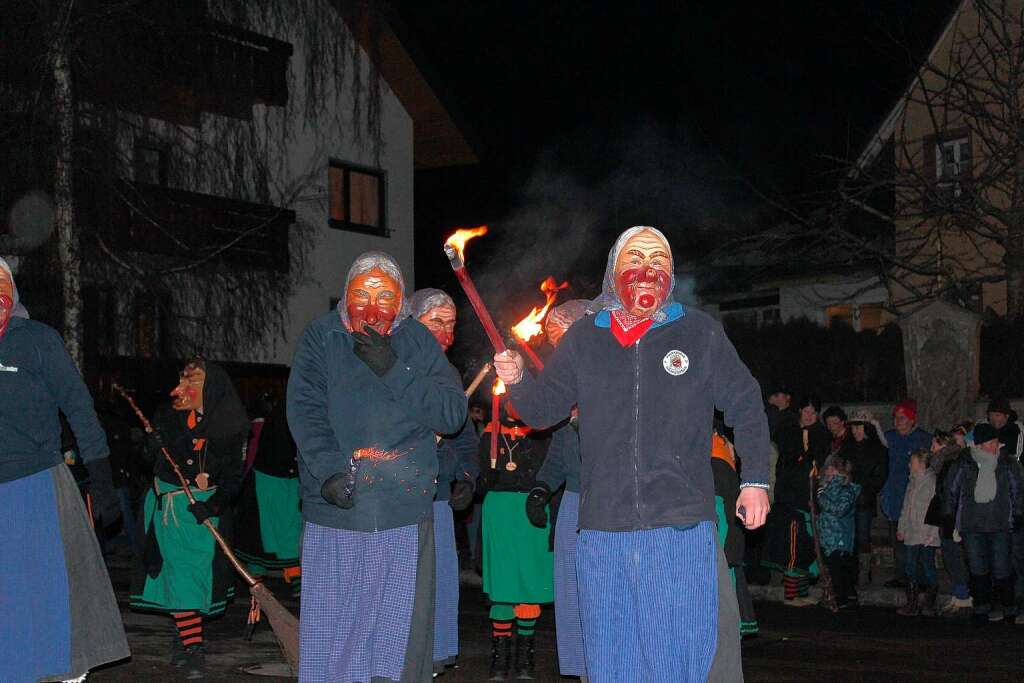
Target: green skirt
column 188, row 554
column 272, row 504
column 518, row 561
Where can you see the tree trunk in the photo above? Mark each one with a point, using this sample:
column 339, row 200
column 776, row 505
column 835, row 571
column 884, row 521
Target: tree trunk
column 68, row 242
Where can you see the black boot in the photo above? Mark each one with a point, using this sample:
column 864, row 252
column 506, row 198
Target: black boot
column 501, row 657
column 911, row 609
column 927, row 600
column 524, row 658
column 195, row 662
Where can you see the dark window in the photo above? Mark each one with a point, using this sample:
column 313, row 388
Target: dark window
column 356, row 199
column 150, row 163
column 948, row 167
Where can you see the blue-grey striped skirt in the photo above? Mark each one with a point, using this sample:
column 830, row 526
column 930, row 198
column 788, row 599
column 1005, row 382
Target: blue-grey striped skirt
column 568, row 627
column 446, row 592
column 649, row 603
column 358, row 591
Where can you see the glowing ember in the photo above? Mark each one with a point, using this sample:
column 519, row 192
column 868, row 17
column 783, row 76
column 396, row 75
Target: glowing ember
column 458, row 240
column 530, row 326
column 499, row 388
column 376, row 454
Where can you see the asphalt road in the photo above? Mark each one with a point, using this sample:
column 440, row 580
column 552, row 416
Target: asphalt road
column 795, row 644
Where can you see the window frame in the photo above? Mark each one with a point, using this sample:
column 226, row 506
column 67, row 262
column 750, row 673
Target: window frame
column 346, row 223
column 163, row 164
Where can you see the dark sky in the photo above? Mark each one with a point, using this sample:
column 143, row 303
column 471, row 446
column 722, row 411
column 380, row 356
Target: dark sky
column 593, row 116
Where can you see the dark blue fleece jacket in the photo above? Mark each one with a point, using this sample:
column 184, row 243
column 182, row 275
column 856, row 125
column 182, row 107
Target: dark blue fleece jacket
column 645, row 418
column 457, row 460
column 337, row 405
column 38, row 379
column 562, row 464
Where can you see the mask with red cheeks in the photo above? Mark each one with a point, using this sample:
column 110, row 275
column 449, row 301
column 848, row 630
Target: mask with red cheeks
column 440, row 321
column 6, row 308
column 373, row 299
column 643, row 274
column 188, row 395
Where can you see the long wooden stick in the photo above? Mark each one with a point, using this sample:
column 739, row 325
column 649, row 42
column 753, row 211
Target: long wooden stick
column 478, row 379
column 228, row 552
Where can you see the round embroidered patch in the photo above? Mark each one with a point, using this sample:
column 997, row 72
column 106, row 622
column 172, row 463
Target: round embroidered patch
column 675, row 362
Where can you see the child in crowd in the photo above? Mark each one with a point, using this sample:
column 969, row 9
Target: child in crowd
column 837, row 501
column 945, row 453
column 919, row 538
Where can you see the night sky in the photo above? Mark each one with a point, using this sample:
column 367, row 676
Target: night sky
column 591, row 116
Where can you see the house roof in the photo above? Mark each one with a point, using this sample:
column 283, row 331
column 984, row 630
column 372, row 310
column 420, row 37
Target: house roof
column 878, row 139
column 439, row 138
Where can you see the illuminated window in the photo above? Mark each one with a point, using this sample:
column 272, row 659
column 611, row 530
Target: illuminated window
column 356, row 199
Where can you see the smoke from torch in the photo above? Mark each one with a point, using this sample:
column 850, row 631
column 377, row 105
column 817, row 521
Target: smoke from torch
column 454, row 249
column 532, row 325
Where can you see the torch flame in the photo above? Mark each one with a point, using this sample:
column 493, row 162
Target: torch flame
column 530, row 326
column 459, row 238
column 499, row 387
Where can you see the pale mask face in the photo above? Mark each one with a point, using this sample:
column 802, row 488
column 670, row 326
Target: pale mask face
column 643, row 274
column 440, row 320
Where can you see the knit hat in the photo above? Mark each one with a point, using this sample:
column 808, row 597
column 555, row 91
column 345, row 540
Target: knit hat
column 906, row 408
column 863, row 416
column 984, row 432
column 999, row 405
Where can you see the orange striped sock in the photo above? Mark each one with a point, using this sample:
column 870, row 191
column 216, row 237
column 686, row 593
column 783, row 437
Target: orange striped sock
column 502, row 629
column 190, row 627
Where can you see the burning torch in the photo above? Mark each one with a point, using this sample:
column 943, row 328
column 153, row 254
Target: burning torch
column 454, row 248
column 496, row 392
column 532, row 325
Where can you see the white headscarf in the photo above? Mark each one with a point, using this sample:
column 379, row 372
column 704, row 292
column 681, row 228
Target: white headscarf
column 609, row 300
column 19, row 310
column 422, row 300
column 366, row 262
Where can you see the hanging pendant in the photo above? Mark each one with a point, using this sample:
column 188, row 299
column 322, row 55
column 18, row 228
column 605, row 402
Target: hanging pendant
column 511, row 466
column 203, row 481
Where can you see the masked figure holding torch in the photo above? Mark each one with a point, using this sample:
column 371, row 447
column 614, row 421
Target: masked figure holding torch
column 369, row 390
column 655, row 596
column 456, row 476
column 182, row 572
column 562, row 466
column 60, row 617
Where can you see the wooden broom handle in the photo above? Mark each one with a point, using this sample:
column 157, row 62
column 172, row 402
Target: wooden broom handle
column 228, row 552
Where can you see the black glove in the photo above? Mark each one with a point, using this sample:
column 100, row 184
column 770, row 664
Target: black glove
column 374, row 349
column 462, row 495
column 202, row 511
column 536, row 505
column 333, row 490
column 154, row 441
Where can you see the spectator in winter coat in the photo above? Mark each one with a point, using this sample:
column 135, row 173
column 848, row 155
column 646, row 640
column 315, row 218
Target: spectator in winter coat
column 919, row 538
column 834, row 418
column 944, row 455
column 868, row 454
column 904, row 439
column 985, row 496
column 780, row 410
column 1004, row 419
column 837, row 500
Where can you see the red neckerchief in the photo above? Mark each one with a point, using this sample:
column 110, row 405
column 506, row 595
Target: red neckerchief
column 628, row 328
column 516, row 432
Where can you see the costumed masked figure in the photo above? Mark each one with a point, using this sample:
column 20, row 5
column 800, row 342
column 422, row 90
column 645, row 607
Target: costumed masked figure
column 518, row 561
column 181, row 570
column 803, row 446
column 730, row 530
column 60, row 617
column 562, row 466
column 646, row 375
column 456, row 476
column 369, row 390
column 270, row 523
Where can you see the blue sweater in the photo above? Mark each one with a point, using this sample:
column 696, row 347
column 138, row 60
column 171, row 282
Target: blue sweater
column 562, row 464
column 645, row 416
column 900, row 448
column 38, row 379
column 838, row 504
column 337, row 405
column 457, row 460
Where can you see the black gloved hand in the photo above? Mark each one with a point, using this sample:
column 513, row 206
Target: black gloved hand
column 374, row 349
column 462, row 495
column 536, row 505
column 333, row 490
column 202, row 511
column 154, row 441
